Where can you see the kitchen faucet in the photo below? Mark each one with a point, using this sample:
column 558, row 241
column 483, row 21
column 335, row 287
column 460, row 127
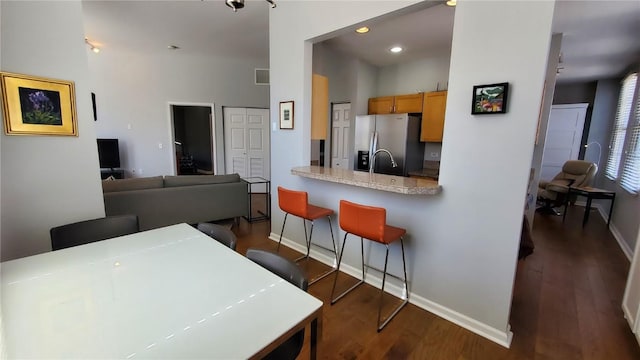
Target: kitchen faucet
column 372, row 161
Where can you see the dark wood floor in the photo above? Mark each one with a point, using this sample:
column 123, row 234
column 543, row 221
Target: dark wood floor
column 566, row 304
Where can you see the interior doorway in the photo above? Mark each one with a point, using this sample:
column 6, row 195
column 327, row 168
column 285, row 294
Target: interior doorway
column 340, row 135
column 247, row 143
column 564, row 137
column 193, row 133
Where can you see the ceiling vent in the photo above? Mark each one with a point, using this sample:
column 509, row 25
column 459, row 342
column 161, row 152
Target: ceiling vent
column 262, row 76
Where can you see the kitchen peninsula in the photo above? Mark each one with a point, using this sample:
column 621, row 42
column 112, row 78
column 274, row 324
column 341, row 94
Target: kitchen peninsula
column 382, row 182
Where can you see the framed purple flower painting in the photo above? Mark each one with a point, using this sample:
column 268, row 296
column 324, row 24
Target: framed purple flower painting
column 38, row 106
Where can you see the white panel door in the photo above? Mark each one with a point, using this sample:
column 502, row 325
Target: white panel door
column 564, row 135
column 340, row 132
column 246, row 139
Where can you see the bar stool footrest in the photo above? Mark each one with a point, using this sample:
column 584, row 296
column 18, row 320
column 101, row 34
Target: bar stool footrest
column 326, row 273
column 334, row 300
column 393, row 314
column 322, row 247
column 382, row 271
column 323, row 275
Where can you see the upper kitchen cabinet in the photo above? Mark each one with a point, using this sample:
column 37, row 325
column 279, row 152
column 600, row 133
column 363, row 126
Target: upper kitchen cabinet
column 433, row 116
column 400, row 104
column 319, row 107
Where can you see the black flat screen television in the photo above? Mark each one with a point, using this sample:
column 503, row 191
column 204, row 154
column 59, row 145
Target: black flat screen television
column 108, row 153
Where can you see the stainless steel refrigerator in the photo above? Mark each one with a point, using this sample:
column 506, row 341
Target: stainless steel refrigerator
column 397, row 133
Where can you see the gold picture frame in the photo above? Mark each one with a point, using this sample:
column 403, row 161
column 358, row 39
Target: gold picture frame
column 286, row 115
column 38, row 106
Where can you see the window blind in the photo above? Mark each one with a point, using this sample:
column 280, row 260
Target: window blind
column 630, row 178
column 620, row 126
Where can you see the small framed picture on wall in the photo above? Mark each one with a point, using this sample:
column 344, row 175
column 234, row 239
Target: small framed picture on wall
column 286, row 115
column 490, row 99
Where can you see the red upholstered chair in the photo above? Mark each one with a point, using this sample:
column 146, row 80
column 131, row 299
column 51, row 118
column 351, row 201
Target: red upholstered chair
column 369, row 223
column 296, row 203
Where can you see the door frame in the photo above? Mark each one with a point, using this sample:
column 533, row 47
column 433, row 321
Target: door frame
column 172, row 140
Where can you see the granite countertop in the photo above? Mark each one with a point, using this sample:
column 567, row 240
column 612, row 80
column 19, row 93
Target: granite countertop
column 391, row 183
column 428, row 173
column 431, row 169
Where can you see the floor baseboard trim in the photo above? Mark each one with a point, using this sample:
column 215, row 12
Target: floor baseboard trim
column 628, row 315
column 502, row 338
column 616, row 234
column 612, row 228
column 497, row 336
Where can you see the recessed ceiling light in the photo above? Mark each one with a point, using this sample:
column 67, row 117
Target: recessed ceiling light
column 173, row 47
column 362, row 30
column 451, row 2
column 396, row 49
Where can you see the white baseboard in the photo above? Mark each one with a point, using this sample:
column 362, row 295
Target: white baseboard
column 616, row 234
column 500, row 337
column 612, row 228
column 631, row 319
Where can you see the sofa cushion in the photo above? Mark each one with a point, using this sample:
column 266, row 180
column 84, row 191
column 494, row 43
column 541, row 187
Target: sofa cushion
column 132, row 184
column 187, row 180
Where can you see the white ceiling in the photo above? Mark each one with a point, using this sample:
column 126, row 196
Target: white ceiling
column 197, row 27
column 601, row 38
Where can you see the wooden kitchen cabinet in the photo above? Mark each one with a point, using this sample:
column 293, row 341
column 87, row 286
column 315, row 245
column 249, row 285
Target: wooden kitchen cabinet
column 433, row 116
column 319, row 107
column 400, row 104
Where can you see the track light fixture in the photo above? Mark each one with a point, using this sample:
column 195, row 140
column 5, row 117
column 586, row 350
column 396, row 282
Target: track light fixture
column 239, row 4
column 93, row 47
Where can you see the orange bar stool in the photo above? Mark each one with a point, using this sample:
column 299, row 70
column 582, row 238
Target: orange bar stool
column 296, row 203
column 370, row 223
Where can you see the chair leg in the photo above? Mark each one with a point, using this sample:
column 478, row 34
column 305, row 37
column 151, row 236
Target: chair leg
column 384, row 278
column 404, row 269
column 335, row 252
column 310, row 235
column 384, row 275
column 333, row 240
column 282, row 231
column 362, row 256
column 307, row 239
column 335, row 281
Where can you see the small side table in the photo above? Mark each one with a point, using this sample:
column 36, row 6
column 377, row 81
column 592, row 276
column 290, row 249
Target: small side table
column 255, row 180
column 590, row 193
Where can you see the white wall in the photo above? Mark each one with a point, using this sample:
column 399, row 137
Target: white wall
column 47, row 180
column 424, row 75
column 134, row 88
column 463, row 244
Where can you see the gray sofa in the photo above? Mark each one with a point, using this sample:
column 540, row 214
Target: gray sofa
column 160, row 201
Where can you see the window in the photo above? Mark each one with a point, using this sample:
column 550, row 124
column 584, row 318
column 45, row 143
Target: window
column 620, row 126
column 630, row 178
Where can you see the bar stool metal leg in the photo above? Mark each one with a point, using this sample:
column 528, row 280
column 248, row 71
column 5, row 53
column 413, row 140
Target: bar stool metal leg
column 384, row 276
column 307, row 239
column 282, row 231
column 308, row 243
column 334, row 250
column 335, row 281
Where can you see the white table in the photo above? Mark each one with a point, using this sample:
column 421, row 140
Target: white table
column 165, row 293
